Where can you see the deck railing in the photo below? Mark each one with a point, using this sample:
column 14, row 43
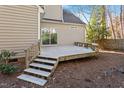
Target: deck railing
column 31, row 53
column 93, row 46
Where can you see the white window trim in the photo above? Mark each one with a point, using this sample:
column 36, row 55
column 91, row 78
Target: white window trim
column 50, row 43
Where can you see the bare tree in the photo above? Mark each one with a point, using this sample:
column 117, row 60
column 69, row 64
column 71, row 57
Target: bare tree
column 82, row 11
column 122, row 20
column 111, row 22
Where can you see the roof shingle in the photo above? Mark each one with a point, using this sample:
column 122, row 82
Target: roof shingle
column 71, row 18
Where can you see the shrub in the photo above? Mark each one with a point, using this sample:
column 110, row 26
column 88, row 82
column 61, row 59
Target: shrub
column 5, row 55
column 7, row 69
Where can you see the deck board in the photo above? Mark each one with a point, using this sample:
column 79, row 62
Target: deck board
column 66, row 51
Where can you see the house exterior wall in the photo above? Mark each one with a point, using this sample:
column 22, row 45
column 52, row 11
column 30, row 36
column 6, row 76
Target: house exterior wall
column 66, row 33
column 53, row 12
column 18, row 26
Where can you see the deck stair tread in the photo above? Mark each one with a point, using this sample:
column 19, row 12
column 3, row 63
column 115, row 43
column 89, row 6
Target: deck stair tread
column 44, row 66
column 37, row 72
column 45, row 60
column 32, row 79
column 48, row 57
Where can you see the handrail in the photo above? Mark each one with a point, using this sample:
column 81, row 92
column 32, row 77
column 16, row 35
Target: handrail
column 93, row 46
column 31, row 53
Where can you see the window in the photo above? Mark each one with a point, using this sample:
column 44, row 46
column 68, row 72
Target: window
column 49, row 36
column 74, row 28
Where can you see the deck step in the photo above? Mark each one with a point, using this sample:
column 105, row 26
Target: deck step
column 44, row 66
column 45, row 61
column 32, row 79
column 46, row 57
column 37, row 72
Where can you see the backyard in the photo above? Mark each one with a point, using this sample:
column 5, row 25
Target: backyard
column 42, row 57
column 106, row 70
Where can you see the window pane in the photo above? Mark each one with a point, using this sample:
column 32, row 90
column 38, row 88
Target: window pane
column 53, row 38
column 45, row 36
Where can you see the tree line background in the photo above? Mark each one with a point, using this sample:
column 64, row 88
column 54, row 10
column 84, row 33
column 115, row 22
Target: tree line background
column 102, row 21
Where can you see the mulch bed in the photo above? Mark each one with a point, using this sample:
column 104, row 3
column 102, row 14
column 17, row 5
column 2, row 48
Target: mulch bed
column 107, row 70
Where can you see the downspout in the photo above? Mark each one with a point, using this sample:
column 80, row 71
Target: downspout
column 62, row 14
column 40, row 14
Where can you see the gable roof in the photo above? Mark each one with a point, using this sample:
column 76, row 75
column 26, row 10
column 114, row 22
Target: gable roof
column 68, row 17
column 71, row 18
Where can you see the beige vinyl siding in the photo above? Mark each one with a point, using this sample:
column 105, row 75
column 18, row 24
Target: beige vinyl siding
column 18, row 26
column 66, row 33
column 53, row 12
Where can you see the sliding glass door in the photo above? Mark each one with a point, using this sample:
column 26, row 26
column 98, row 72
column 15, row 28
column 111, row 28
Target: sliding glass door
column 49, row 36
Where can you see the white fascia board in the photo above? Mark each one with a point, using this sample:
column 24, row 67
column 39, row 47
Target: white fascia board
column 65, row 23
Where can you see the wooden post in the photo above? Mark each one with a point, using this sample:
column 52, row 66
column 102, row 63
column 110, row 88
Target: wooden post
column 27, row 58
column 31, row 53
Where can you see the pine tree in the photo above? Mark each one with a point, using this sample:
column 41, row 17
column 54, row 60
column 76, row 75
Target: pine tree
column 98, row 24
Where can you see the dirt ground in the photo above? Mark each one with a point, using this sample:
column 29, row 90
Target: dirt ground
column 107, row 70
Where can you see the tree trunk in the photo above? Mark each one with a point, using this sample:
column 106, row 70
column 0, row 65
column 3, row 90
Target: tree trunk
column 111, row 22
column 122, row 21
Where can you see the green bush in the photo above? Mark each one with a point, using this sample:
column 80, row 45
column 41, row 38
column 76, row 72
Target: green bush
column 5, row 55
column 7, row 69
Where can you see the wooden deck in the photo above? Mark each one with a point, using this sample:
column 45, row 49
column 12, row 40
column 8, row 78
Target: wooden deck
column 68, row 52
column 44, row 65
